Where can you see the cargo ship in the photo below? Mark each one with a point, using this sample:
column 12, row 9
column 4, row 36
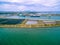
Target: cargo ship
column 29, row 20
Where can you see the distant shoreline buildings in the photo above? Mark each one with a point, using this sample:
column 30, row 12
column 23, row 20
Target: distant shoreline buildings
column 29, row 19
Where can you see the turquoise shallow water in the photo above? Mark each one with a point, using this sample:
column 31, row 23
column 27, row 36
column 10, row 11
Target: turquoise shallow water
column 30, row 36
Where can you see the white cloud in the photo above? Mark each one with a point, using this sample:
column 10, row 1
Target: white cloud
column 46, row 2
column 48, row 5
column 13, row 7
column 12, row 0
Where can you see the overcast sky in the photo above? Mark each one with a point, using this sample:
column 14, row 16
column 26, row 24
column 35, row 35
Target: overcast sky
column 29, row 5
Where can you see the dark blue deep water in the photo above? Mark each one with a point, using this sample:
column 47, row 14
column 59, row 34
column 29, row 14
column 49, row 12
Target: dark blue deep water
column 30, row 36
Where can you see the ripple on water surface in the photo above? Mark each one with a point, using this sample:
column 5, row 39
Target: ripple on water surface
column 30, row 36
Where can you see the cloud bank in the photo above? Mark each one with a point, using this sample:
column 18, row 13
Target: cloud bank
column 29, row 5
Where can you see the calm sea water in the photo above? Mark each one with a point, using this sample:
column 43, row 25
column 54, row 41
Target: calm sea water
column 30, row 36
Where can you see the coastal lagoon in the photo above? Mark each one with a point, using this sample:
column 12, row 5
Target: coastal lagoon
column 30, row 36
